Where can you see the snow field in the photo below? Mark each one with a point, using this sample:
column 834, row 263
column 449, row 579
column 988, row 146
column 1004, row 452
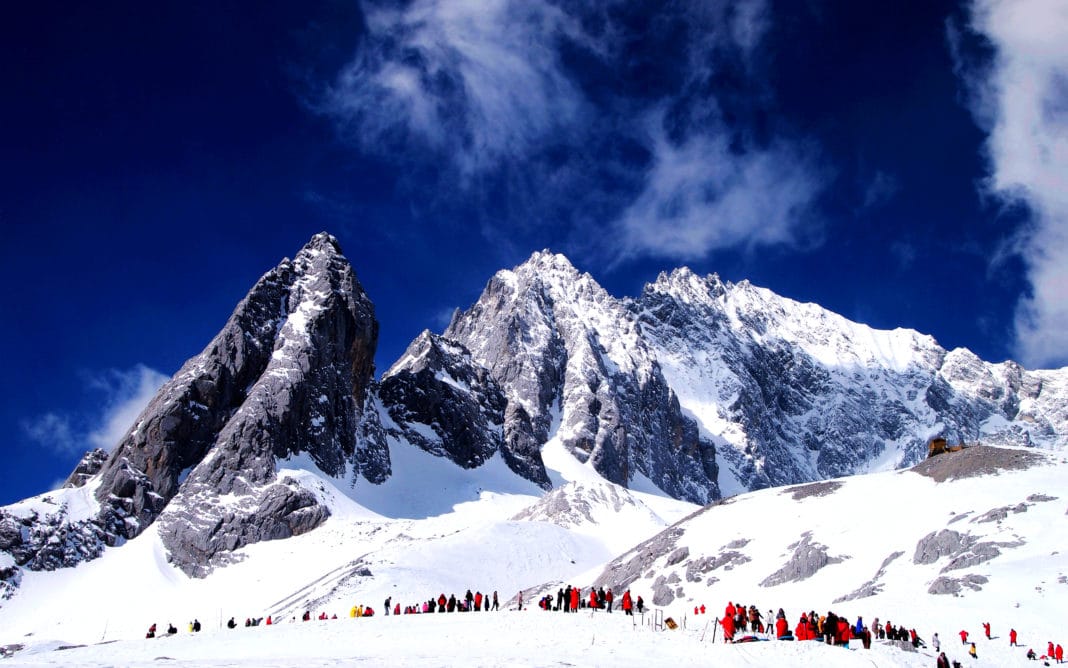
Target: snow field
column 527, row 638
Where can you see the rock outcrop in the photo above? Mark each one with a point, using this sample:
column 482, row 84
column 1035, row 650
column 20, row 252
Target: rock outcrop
column 444, row 403
column 564, row 350
column 291, row 373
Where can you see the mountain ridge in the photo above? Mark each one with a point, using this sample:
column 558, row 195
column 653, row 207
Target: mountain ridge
column 700, row 387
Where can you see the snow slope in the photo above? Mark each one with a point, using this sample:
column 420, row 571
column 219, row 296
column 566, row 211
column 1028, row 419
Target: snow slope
column 485, row 544
column 528, row 638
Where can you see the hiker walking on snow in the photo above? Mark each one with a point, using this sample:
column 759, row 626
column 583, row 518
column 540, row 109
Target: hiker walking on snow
column 496, row 606
column 963, row 637
column 972, row 653
column 935, row 642
column 986, row 629
column 628, row 605
column 1012, row 637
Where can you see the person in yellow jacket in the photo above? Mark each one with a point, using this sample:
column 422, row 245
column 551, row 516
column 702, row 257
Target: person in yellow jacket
column 352, row 613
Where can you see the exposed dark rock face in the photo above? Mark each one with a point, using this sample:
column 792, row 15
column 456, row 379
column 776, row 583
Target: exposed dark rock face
column 963, row 550
column 808, row 558
column 998, row 514
column 558, row 345
column 88, row 467
column 45, row 540
column 445, row 404
column 799, row 394
column 954, row 586
column 291, row 373
column 945, row 543
column 664, row 592
column 305, row 399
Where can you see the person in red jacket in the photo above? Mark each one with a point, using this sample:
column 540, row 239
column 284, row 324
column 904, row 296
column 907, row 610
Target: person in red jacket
column 801, row 632
column 1049, row 650
column 843, row 632
column 729, row 612
column 628, row 605
column 1058, row 653
column 1012, row 637
column 593, row 599
column 986, row 629
column 781, row 627
column 963, row 637
column 728, row 628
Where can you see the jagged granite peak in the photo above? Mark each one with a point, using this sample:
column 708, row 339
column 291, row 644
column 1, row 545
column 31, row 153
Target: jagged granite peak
column 794, row 392
column 441, row 401
column 308, row 398
column 572, row 357
column 290, row 372
column 89, row 466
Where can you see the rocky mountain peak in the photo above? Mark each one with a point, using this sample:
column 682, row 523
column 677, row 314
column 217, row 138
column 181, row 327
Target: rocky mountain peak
column 290, row 372
column 684, row 285
column 322, row 242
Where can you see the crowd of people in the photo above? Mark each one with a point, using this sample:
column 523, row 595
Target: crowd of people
column 740, row 623
column 469, row 602
column 571, row 599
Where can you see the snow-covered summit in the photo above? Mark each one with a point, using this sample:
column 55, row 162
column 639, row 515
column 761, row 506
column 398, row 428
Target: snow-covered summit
column 695, row 390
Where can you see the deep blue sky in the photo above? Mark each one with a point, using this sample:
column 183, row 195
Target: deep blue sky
column 157, row 158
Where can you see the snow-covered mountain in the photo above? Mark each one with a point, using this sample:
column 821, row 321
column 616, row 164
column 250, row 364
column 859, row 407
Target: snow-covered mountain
column 968, row 537
column 792, row 392
column 694, row 390
column 290, row 372
column 573, row 361
column 711, row 388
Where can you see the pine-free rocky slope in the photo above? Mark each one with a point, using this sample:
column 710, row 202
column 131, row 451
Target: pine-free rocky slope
column 699, row 387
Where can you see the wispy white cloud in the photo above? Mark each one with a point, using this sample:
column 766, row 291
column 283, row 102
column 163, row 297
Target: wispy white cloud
column 127, row 393
column 703, row 195
column 55, row 433
column 880, row 190
column 483, row 89
column 122, row 397
column 478, row 81
column 1021, row 98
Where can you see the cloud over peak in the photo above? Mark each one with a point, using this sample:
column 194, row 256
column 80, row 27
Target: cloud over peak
column 628, row 122
column 122, row 395
column 1021, row 98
